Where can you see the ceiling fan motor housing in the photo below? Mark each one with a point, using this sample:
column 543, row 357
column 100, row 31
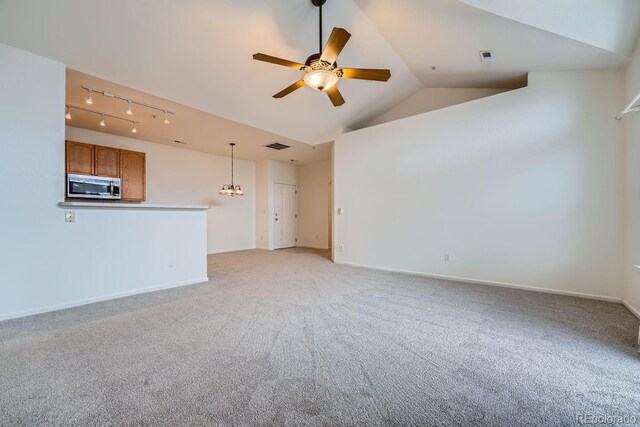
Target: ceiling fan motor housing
column 314, row 66
column 318, row 3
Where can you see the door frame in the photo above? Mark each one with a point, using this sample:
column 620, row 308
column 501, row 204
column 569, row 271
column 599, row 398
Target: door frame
column 295, row 218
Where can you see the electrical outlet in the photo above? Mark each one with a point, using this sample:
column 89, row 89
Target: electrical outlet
column 341, row 248
column 69, row 216
column 447, row 257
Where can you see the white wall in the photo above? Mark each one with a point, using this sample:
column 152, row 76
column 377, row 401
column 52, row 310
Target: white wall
column 314, row 211
column 433, row 98
column 631, row 122
column 521, row 188
column 608, row 25
column 46, row 263
column 186, row 177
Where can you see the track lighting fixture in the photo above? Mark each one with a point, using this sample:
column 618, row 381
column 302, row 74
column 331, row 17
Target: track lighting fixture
column 129, row 102
column 102, row 116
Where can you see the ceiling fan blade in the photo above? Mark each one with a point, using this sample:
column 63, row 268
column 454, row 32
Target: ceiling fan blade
column 335, row 96
column 366, row 74
column 277, row 61
column 288, row 90
column 337, row 40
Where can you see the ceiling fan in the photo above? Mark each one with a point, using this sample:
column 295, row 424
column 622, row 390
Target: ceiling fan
column 322, row 71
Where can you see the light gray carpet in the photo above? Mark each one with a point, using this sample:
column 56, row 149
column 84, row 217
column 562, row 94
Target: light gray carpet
column 288, row 338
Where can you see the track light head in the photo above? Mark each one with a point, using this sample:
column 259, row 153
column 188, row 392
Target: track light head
column 133, row 129
column 68, row 114
column 102, row 123
column 166, row 121
column 89, row 99
column 129, row 111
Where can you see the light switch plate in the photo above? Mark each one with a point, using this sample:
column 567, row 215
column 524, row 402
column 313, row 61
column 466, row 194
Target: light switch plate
column 69, row 216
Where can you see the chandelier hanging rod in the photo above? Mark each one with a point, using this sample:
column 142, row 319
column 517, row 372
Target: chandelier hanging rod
column 231, row 189
column 233, row 144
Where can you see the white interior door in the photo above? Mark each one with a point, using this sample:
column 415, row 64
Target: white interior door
column 285, row 216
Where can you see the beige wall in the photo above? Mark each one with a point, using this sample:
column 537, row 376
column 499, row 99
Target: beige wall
column 262, row 204
column 631, row 123
column 48, row 264
column 314, row 181
column 270, row 172
column 524, row 188
column 430, row 99
column 186, row 177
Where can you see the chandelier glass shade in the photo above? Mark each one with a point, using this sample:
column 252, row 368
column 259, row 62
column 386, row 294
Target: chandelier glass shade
column 231, row 189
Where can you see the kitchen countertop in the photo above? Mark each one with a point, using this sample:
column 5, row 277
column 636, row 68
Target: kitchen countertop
column 121, row 205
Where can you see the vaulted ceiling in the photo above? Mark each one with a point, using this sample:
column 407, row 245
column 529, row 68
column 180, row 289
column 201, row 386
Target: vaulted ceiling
column 198, row 52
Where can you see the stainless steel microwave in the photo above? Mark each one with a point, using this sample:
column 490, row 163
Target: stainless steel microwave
column 93, row 187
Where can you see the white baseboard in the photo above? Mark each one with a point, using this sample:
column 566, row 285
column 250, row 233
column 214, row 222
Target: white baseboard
column 248, row 248
column 490, row 283
column 115, row 295
column 312, row 247
column 631, row 308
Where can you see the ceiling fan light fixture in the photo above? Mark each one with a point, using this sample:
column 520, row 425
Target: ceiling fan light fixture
column 321, row 79
column 321, row 69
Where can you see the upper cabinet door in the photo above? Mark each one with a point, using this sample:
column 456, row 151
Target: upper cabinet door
column 107, row 161
column 80, row 158
column 133, row 170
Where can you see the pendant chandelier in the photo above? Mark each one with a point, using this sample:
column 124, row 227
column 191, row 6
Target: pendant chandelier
column 230, row 189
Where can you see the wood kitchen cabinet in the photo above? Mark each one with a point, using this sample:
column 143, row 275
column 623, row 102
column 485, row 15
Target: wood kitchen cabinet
column 129, row 166
column 133, row 173
column 107, row 161
column 80, row 158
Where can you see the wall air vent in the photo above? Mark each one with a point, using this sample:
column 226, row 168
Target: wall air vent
column 277, row 146
column 486, row 56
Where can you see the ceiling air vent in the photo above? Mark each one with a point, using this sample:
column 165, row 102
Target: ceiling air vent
column 277, row 146
column 486, row 56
